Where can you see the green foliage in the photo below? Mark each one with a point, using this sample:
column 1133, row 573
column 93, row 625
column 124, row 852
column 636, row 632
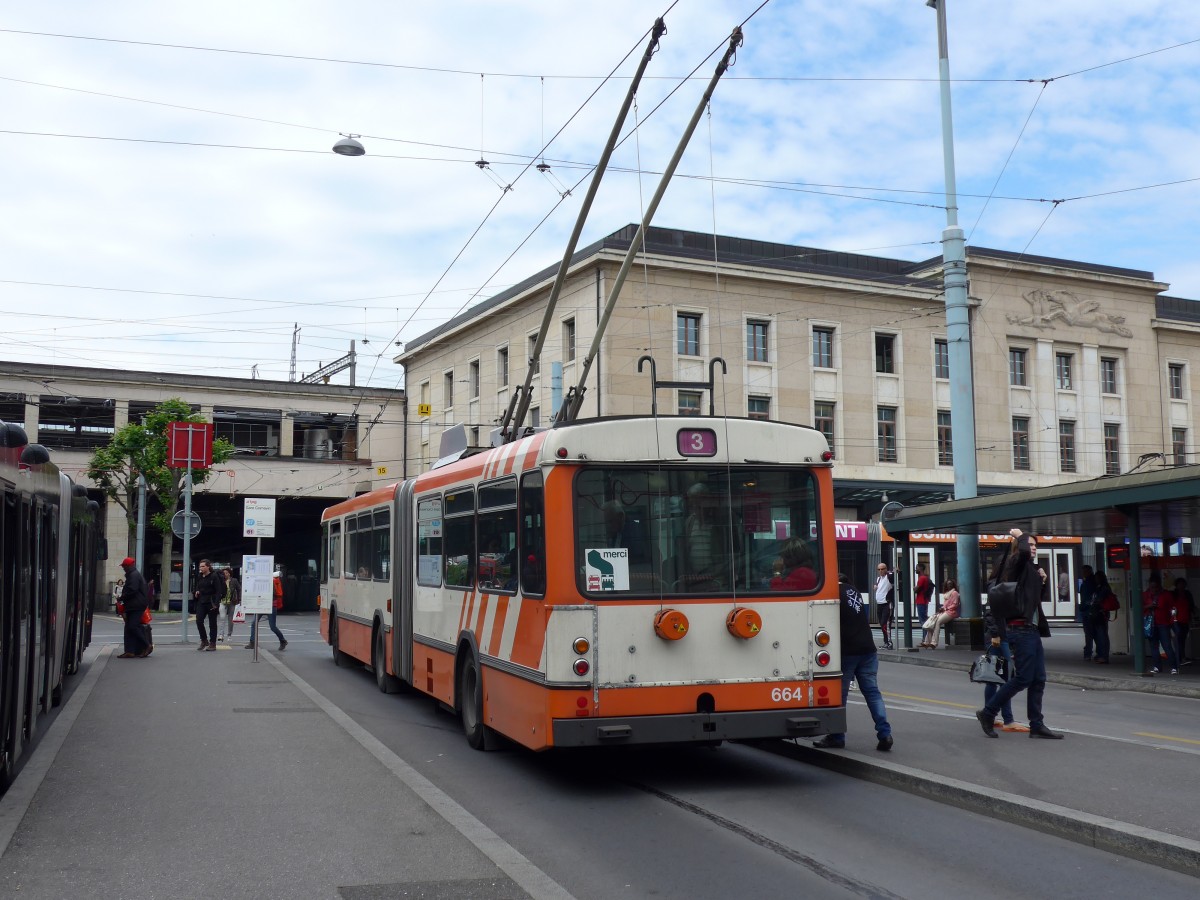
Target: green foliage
column 140, row 448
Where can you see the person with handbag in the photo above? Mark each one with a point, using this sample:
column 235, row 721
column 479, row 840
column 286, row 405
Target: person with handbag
column 951, row 606
column 1024, row 626
column 884, row 591
column 233, row 596
column 860, row 663
column 134, row 601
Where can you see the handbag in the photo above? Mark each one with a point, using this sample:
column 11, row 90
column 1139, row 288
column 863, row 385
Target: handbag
column 238, row 615
column 1002, row 599
column 929, row 623
column 988, row 669
column 146, row 617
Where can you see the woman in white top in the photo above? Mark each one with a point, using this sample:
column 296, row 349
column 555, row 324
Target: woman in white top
column 883, row 592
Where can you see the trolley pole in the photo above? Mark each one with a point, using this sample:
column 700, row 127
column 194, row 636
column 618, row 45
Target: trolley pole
column 958, row 339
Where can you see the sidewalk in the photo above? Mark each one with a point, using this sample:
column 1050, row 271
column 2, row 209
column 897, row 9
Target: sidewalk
column 186, row 775
column 1064, row 664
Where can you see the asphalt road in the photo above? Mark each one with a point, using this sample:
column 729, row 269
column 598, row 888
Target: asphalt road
column 737, row 821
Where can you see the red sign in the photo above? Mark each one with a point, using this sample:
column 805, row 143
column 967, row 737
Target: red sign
column 189, row 445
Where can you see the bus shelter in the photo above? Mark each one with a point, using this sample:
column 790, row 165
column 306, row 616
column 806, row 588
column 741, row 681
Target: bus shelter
column 1124, row 510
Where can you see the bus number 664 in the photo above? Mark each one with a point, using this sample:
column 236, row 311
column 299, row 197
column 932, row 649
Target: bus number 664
column 787, row 694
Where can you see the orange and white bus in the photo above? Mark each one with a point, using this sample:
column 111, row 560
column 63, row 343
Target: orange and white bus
column 613, row 581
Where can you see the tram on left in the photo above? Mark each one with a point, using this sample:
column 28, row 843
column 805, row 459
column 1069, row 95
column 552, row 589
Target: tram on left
column 49, row 552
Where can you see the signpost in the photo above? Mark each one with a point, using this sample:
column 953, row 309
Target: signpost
column 185, row 524
column 258, row 520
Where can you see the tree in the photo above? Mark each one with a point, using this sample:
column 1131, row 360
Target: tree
column 140, row 448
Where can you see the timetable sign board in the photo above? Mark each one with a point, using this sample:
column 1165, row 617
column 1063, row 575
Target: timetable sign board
column 259, row 517
column 257, row 584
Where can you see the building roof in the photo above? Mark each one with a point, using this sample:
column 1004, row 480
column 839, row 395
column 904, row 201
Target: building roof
column 675, row 242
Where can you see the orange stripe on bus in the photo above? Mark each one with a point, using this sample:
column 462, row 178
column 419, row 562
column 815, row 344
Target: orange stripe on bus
column 433, row 672
column 377, row 497
column 531, row 634
column 464, row 617
column 535, row 448
column 498, row 625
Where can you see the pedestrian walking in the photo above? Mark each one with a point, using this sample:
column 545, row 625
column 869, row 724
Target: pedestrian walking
column 233, row 596
column 210, row 588
column 133, row 602
column 276, row 605
column 1024, row 633
column 1007, row 721
column 860, row 663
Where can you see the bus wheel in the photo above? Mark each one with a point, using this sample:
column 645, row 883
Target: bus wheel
column 389, row 684
column 339, row 658
column 470, row 704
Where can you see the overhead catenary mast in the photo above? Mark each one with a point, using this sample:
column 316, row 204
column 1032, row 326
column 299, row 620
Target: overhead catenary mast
column 514, row 416
column 574, row 399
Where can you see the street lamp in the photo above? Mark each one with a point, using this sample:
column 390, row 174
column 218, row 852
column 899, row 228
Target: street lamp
column 958, row 337
column 348, row 146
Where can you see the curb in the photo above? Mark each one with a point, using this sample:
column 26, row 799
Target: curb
column 1158, row 848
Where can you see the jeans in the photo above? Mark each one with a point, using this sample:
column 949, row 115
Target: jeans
column 1030, row 675
column 1088, row 620
column 1100, row 629
column 207, row 612
column 1162, row 636
column 271, row 622
column 864, row 669
column 989, row 689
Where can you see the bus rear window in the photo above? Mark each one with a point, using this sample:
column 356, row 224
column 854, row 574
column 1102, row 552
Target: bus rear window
column 696, row 531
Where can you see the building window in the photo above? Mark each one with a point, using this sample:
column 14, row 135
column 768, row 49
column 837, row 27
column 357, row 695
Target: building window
column 535, row 416
column 535, row 364
column 424, row 393
column 689, row 403
column 885, row 353
column 823, row 420
column 502, row 366
column 1016, row 367
column 758, row 408
column 885, row 430
column 756, row 341
column 1175, row 380
column 945, row 440
column 1179, row 446
column 1020, row 442
column 1108, row 375
column 687, row 326
column 1066, row 446
column 448, row 390
column 569, row 340
column 1112, row 449
column 941, row 359
column 473, row 379
column 822, row 355
column 1062, row 371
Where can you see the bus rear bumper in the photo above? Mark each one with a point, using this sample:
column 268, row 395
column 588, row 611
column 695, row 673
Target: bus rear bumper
column 699, row 727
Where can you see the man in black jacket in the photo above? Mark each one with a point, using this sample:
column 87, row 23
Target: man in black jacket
column 860, row 663
column 1024, row 633
column 134, row 601
column 210, row 588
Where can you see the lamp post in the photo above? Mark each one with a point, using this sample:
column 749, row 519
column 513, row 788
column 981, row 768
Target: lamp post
column 958, row 338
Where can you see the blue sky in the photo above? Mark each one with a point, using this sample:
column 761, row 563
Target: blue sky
column 179, row 209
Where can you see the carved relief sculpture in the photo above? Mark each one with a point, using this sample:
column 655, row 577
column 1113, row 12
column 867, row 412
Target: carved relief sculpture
column 1064, row 306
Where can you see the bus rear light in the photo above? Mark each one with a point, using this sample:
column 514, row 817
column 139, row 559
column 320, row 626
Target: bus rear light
column 561, row 452
column 822, row 638
column 581, row 645
column 581, row 702
column 826, row 455
column 823, row 658
column 743, row 623
column 581, row 667
column 670, row 624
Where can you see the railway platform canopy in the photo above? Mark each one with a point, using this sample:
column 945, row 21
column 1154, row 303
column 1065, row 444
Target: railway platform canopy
column 1161, row 504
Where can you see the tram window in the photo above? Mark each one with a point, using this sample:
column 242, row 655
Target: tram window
column 429, row 542
column 532, row 551
column 381, row 541
column 459, row 537
column 335, row 550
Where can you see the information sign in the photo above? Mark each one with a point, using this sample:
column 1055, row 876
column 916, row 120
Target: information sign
column 257, row 584
column 259, row 517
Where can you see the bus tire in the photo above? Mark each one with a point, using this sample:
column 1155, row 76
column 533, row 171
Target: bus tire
column 345, row 660
column 389, row 684
column 470, row 703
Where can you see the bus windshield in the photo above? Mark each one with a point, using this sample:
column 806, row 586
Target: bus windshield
column 696, row 531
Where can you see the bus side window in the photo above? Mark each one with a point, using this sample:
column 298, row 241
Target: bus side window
column 532, row 550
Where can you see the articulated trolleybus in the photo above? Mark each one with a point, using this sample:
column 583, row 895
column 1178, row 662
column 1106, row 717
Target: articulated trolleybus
column 611, row 581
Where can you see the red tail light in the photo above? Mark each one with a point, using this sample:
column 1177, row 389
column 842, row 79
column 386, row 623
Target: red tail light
column 823, row 658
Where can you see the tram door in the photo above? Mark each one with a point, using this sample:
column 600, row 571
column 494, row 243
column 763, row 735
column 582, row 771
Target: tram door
column 1055, row 561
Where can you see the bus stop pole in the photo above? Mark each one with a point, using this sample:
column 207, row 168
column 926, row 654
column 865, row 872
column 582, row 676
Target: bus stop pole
column 905, row 588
